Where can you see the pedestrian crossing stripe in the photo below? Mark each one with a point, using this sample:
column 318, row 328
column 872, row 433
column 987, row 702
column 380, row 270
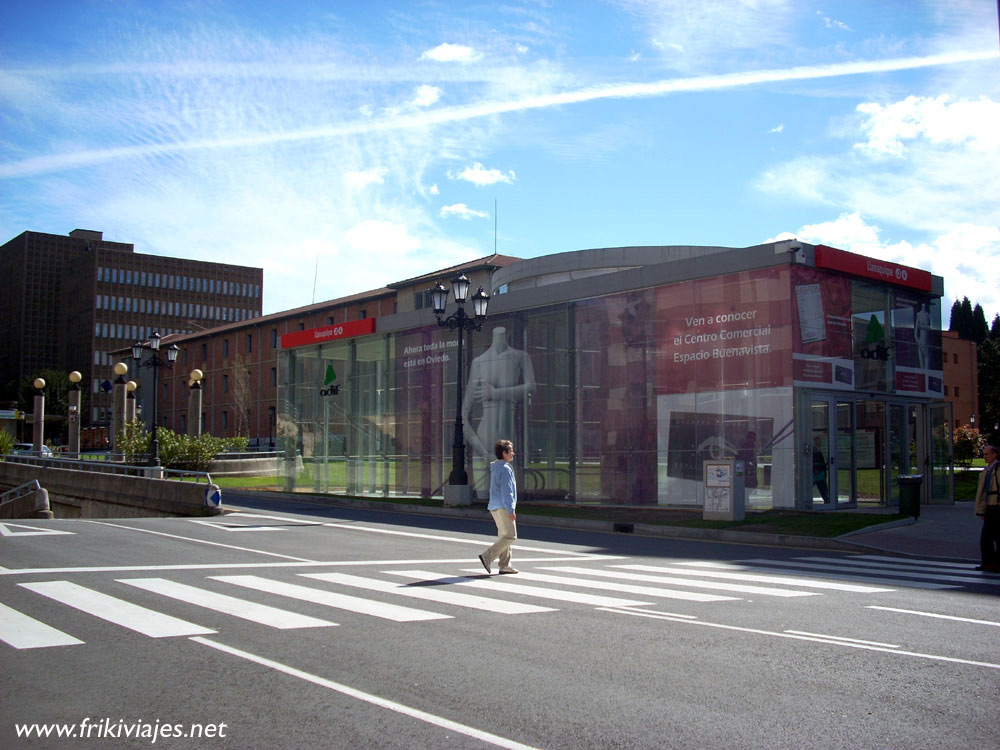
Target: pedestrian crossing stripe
column 229, row 605
column 333, row 599
column 128, row 615
column 11, row 529
column 647, row 582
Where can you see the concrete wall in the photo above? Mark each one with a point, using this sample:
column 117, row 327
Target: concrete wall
column 82, row 494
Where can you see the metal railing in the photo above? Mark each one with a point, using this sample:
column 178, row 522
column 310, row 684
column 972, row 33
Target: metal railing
column 111, row 467
column 20, row 491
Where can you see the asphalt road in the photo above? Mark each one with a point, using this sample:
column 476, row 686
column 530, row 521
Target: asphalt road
column 302, row 626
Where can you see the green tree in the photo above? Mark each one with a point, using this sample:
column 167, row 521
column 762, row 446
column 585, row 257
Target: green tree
column 979, row 330
column 989, row 388
column 995, row 327
column 6, row 442
column 968, row 444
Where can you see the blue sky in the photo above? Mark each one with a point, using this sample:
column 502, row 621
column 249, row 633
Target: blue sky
column 371, row 140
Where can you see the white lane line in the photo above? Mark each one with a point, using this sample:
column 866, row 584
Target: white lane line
column 838, row 565
column 931, row 563
column 778, row 567
column 331, row 599
column 237, row 566
column 810, row 583
column 934, row 614
column 910, row 570
column 199, row 541
column 791, row 636
column 228, row 605
column 20, row 631
column 690, row 596
column 415, row 713
column 431, row 593
column 502, row 584
column 114, row 610
column 5, row 530
column 736, row 587
column 829, row 637
column 474, row 542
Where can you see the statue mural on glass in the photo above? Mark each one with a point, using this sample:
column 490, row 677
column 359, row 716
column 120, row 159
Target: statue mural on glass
column 499, row 378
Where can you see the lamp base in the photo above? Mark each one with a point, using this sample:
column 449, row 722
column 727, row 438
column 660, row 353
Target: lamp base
column 458, row 494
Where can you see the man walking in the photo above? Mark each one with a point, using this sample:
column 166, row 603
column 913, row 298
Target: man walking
column 988, row 508
column 503, row 500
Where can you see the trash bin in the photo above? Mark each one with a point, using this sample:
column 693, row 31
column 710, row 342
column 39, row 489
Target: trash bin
column 909, row 494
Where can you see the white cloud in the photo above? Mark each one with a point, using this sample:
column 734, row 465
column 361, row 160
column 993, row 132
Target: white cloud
column 959, row 255
column 425, row 95
column 479, row 175
column 451, row 53
column 833, row 23
column 462, row 211
column 777, row 128
column 359, row 180
column 950, row 174
column 939, row 121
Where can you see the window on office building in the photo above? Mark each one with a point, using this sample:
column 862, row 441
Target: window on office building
column 249, row 343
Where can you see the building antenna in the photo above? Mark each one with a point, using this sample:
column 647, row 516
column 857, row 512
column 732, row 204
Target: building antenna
column 315, row 276
column 495, row 220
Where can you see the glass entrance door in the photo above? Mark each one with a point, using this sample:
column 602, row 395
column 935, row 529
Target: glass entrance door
column 832, row 452
column 941, row 472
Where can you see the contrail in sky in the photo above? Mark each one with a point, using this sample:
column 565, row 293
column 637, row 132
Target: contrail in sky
column 61, row 162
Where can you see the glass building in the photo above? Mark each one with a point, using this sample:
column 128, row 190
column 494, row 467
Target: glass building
column 618, row 372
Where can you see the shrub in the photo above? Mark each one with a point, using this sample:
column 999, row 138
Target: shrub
column 184, row 452
column 968, row 444
column 6, row 442
column 133, row 441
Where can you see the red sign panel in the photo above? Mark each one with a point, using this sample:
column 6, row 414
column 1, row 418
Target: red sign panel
column 870, row 268
column 328, row 333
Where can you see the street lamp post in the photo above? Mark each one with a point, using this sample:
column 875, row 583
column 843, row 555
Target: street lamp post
column 458, row 491
column 74, row 413
column 154, row 362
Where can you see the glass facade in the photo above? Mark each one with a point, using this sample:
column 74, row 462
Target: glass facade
column 620, row 398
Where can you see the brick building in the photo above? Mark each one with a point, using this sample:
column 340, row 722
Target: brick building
column 961, row 381
column 240, row 359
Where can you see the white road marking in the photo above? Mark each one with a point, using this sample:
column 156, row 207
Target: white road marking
column 232, row 523
column 447, row 724
column 921, row 561
column 229, row 605
column 842, row 565
column 332, row 599
column 737, row 587
column 934, row 614
column 238, row 566
column 498, row 584
column 431, row 593
column 5, row 530
column 20, row 631
column 691, row 596
column 912, row 570
column 810, row 583
column 114, row 610
column 826, row 636
column 779, row 567
column 198, row 541
column 814, row 639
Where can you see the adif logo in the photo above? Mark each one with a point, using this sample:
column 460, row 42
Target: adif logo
column 330, row 390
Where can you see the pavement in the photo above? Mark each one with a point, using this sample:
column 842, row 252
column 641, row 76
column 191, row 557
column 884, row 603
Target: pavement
column 944, row 532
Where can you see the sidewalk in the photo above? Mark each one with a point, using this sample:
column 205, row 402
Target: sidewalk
column 945, row 531
column 948, row 532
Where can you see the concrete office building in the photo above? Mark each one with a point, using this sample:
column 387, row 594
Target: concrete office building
column 618, row 372
column 68, row 302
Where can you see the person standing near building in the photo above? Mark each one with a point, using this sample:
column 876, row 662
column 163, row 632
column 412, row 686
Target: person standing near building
column 988, row 509
column 503, row 501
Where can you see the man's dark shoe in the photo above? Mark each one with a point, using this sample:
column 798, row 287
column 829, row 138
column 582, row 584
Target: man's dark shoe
column 483, row 560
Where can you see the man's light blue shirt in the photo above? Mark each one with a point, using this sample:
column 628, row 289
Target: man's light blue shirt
column 503, row 490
